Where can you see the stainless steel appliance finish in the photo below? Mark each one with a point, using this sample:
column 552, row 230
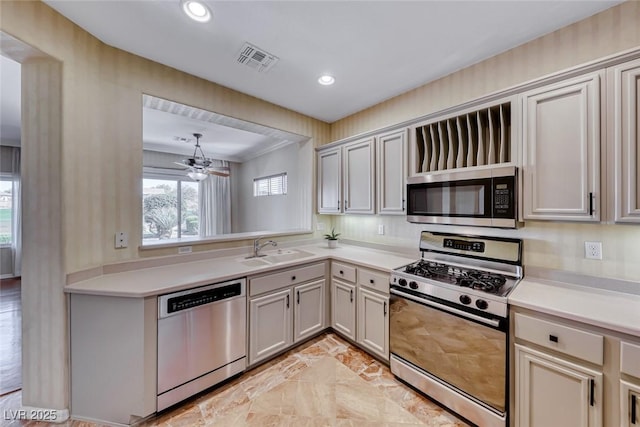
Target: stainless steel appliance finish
column 481, row 197
column 201, row 339
column 448, row 322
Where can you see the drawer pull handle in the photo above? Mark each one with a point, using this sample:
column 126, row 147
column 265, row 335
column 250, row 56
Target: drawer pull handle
column 553, row 338
column 293, row 277
column 593, row 387
column 371, row 281
column 633, row 409
column 351, row 295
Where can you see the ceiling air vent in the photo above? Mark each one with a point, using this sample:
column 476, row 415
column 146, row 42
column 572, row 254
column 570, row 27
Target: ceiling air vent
column 256, row 58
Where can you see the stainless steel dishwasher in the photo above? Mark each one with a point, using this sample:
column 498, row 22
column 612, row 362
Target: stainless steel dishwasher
column 201, row 339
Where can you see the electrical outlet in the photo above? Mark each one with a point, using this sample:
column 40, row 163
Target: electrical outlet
column 121, row 240
column 593, row 250
column 184, row 250
column 381, row 229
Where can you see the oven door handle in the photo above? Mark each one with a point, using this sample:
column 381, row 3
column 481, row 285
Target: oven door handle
column 443, row 307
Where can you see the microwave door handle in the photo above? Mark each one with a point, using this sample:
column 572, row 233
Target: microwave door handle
column 490, row 322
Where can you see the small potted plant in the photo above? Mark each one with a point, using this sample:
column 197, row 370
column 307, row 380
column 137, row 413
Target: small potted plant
column 332, row 238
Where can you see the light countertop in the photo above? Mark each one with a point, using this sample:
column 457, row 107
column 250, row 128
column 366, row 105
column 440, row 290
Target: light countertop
column 612, row 310
column 170, row 278
column 616, row 311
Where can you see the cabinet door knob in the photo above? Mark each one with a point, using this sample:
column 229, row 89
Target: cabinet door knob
column 385, row 308
column 593, row 390
column 553, row 338
column 341, row 272
column 351, row 295
column 633, row 409
column 287, row 301
column 298, row 297
column 293, row 277
column 371, row 281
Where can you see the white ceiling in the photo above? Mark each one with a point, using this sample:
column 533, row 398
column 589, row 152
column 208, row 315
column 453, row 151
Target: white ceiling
column 169, row 127
column 375, row 49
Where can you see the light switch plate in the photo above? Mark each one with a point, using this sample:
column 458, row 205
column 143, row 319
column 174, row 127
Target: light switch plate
column 381, row 229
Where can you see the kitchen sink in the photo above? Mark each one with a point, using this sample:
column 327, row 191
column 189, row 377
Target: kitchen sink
column 283, row 255
column 253, row 262
column 276, row 256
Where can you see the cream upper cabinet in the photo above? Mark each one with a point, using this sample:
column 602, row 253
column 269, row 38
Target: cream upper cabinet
column 330, row 181
column 359, row 181
column 391, row 172
column 551, row 391
column 624, row 127
column 561, row 150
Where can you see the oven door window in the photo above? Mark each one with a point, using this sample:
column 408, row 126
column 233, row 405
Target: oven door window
column 467, row 355
column 470, row 198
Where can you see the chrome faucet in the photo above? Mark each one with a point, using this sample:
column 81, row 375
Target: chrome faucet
column 257, row 246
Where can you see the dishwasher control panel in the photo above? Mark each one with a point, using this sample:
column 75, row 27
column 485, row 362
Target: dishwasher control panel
column 184, row 300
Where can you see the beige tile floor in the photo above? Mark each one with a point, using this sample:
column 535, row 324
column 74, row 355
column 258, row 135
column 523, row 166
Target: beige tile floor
column 326, row 382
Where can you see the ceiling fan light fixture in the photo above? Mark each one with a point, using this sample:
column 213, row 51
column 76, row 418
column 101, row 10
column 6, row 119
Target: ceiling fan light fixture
column 197, row 176
column 326, row 80
column 196, row 10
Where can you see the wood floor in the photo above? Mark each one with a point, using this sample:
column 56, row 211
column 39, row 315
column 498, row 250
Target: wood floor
column 11, row 342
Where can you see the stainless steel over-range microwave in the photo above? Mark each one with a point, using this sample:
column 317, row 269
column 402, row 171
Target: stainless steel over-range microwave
column 482, row 197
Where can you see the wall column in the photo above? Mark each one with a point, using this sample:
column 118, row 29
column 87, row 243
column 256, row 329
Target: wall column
column 45, row 355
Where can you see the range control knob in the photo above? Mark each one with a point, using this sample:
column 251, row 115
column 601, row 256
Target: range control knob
column 402, row 282
column 465, row 299
column 482, row 304
column 413, row 285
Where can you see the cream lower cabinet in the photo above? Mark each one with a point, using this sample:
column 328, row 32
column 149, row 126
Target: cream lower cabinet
column 308, row 313
column 285, row 308
column 561, row 150
column 343, row 308
column 359, row 308
column 629, row 384
column 551, row 391
column 629, row 404
column 373, row 322
column 270, row 326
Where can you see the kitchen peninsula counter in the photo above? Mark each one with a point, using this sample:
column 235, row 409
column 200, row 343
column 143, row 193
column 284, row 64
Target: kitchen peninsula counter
column 145, row 282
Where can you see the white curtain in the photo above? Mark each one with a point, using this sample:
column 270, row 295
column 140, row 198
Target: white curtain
column 16, row 244
column 215, row 204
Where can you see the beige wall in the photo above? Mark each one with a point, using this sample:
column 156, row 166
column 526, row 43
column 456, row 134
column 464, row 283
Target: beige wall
column 102, row 128
column 606, row 33
column 550, row 245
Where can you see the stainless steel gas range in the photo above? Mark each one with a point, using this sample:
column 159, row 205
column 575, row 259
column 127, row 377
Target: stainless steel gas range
column 448, row 326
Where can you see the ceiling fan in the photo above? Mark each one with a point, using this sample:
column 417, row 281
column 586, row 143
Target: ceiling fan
column 200, row 166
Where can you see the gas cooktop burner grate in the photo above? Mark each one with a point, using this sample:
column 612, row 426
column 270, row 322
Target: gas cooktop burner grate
column 474, row 279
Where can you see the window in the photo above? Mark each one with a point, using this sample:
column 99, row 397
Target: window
column 270, row 185
column 6, row 209
column 167, row 203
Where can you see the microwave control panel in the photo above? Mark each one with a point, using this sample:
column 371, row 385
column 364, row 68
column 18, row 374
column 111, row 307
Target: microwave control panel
column 504, row 188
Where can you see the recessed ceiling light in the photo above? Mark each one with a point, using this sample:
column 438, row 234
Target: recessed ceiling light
column 196, row 10
column 326, row 80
